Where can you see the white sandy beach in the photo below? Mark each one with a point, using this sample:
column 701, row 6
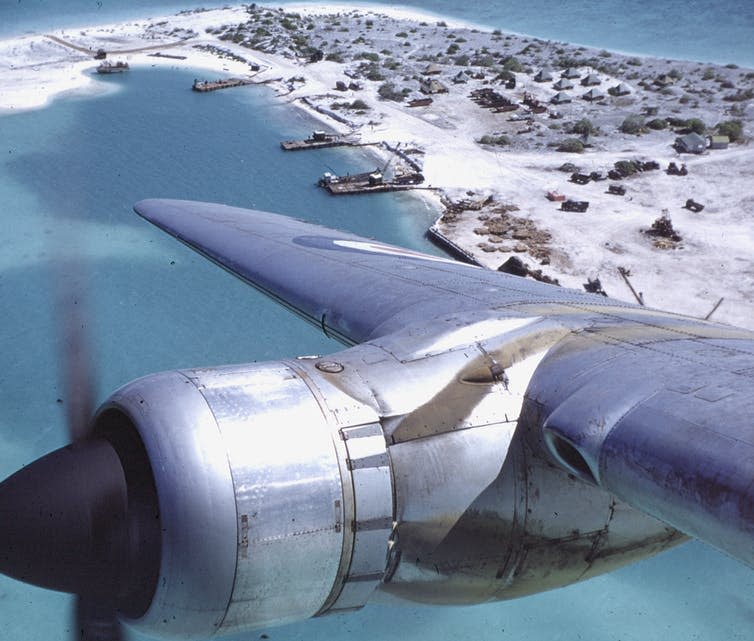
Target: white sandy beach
column 712, row 261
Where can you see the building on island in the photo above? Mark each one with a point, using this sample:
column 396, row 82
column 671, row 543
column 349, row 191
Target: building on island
column 691, row 143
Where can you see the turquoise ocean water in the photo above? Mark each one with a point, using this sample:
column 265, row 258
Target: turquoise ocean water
column 68, row 176
column 705, row 30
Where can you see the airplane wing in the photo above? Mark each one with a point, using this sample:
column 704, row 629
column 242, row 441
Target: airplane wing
column 653, row 407
column 353, row 288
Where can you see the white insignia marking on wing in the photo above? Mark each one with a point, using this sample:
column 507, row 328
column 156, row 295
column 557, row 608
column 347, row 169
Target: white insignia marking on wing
column 387, row 250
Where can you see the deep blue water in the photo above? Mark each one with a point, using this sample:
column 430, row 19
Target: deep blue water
column 68, row 177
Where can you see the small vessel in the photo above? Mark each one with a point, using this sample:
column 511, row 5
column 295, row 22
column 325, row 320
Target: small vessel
column 109, row 67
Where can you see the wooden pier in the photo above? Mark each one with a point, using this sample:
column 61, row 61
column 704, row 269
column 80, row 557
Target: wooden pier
column 214, row 85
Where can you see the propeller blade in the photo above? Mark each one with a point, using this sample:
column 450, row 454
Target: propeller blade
column 96, row 621
column 77, row 362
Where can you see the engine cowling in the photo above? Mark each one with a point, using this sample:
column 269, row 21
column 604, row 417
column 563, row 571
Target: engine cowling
column 270, row 512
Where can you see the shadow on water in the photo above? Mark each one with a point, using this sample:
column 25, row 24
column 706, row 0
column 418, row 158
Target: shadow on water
column 68, row 180
column 154, row 137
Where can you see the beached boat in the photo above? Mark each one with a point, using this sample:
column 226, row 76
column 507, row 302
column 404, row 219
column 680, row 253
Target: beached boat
column 109, row 67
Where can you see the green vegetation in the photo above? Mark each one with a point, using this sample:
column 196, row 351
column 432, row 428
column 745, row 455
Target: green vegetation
column 740, row 96
column 696, row 125
column 497, row 140
column 511, row 63
column 290, row 22
column 388, row 91
column 583, row 127
column 571, row 145
column 368, row 55
column 483, row 60
column 657, row 124
column 356, row 105
column 371, row 71
column 335, row 56
column 732, row 128
column 626, row 167
column 633, row 124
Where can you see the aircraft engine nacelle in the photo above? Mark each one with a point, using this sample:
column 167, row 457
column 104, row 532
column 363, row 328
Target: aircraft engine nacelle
column 270, row 511
column 294, row 489
column 215, row 500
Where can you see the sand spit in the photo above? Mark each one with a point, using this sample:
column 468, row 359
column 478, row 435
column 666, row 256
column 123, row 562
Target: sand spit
column 497, row 122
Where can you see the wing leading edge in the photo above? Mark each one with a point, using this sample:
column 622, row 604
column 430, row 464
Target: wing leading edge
column 653, row 407
column 352, row 287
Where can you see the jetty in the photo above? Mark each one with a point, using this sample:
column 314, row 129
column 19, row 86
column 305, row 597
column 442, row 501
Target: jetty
column 370, row 182
column 171, row 56
column 214, row 85
column 453, row 249
column 318, row 140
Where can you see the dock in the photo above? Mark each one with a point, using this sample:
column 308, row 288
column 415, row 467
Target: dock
column 371, row 182
column 159, row 54
column 340, row 189
column 323, row 140
column 318, row 140
column 214, row 85
column 454, row 250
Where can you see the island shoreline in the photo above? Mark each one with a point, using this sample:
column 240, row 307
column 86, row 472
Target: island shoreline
column 513, row 177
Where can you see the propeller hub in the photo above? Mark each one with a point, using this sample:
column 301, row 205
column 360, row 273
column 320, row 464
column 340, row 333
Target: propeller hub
column 84, row 519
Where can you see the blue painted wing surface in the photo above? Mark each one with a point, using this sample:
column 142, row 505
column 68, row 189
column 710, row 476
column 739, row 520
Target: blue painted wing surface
column 653, row 407
column 355, row 288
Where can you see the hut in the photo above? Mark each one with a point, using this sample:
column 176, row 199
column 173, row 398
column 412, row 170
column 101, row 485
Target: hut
column 544, row 75
column 718, row 142
column 664, row 80
column 432, row 87
column 593, row 95
column 570, row 74
column 432, row 69
column 621, row 89
column 592, row 80
column 563, row 84
column 691, row 143
column 561, row 98
column 460, row 78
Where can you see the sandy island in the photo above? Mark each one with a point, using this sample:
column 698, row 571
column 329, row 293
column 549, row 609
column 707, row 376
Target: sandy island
column 477, row 112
